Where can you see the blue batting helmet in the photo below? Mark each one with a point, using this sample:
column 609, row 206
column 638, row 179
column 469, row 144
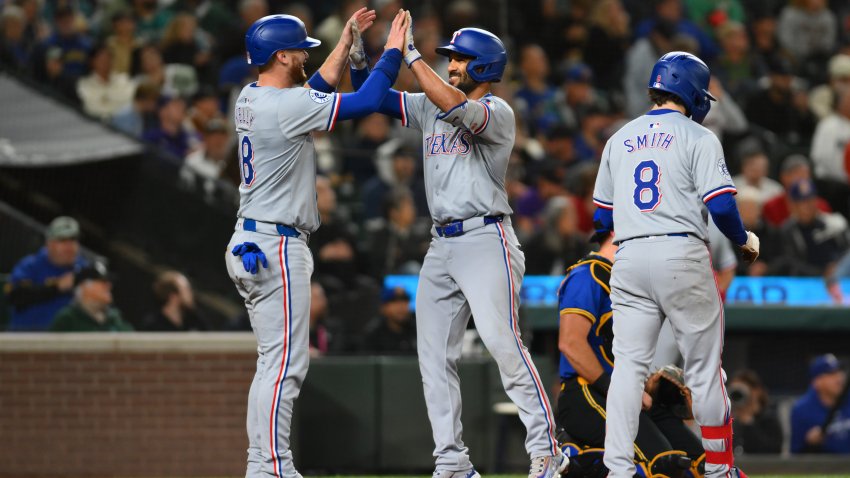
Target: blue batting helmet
column 487, row 51
column 685, row 76
column 273, row 33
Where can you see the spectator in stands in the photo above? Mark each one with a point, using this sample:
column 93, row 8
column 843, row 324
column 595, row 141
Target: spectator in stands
column 750, row 205
column 140, row 115
column 398, row 243
column 122, row 43
column 149, row 68
column 15, row 52
column 212, row 15
column 755, row 422
column 671, row 11
column 150, row 19
column 822, row 99
column 725, row 117
column 402, row 173
column 231, row 42
column 831, row 137
column 42, row 283
column 322, row 341
column 175, row 301
column 814, row 241
column 708, row 14
column 183, row 43
column 357, row 162
column 559, row 243
column 607, row 43
column 393, row 331
column 104, row 91
column 591, row 138
column 91, row 310
column 72, row 44
column 170, row 135
column 206, row 164
column 754, row 170
column 534, row 90
column 735, row 67
column 778, row 209
column 640, row 57
column 205, row 106
column 807, row 28
column 570, row 103
column 333, row 245
column 820, row 419
column 548, row 183
column 782, row 107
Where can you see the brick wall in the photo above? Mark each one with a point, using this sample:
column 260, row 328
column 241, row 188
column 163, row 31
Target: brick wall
column 129, row 406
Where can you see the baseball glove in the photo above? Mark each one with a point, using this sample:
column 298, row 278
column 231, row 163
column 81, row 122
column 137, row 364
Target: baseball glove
column 667, row 389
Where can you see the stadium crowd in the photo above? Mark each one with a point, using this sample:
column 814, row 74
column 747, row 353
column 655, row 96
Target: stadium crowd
column 166, row 72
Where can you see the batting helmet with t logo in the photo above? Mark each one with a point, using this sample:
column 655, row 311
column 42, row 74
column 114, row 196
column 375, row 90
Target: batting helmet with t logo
column 687, row 77
column 486, row 50
column 274, row 33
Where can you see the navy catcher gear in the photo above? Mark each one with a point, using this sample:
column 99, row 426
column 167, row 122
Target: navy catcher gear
column 487, row 51
column 685, row 76
column 273, row 33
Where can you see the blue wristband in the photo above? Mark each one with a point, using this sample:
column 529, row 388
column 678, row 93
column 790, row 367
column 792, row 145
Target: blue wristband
column 318, row 83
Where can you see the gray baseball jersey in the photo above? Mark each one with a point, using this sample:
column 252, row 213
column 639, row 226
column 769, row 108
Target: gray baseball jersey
column 276, row 154
column 464, row 177
column 657, row 172
column 660, row 169
column 278, row 169
column 478, row 273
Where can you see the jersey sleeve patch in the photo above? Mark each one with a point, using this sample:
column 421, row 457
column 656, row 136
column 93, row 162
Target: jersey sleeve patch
column 320, row 97
column 724, row 171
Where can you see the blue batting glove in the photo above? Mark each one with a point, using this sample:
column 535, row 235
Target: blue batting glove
column 251, row 256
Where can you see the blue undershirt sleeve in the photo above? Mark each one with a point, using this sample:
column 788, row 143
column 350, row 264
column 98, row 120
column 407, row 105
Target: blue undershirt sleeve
column 724, row 212
column 392, row 104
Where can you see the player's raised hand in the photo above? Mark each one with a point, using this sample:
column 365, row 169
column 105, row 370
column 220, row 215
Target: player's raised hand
column 360, row 21
column 357, row 24
column 410, row 53
column 750, row 249
column 397, row 31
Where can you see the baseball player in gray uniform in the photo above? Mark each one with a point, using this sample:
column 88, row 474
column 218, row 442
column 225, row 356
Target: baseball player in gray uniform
column 725, row 261
column 267, row 258
column 660, row 176
column 474, row 264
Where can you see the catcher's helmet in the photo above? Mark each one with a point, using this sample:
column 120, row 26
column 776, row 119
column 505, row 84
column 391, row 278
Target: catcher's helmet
column 487, row 51
column 685, row 76
column 274, row 33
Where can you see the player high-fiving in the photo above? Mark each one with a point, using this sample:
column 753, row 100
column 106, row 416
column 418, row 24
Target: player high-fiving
column 267, row 258
column 474, row 265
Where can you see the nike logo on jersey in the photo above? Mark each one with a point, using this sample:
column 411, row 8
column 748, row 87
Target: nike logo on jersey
column 449, row 143
column 645, row 141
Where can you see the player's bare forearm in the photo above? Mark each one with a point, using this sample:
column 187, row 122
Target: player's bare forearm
column 333, row 67
column 572, row 341
column 442, row 94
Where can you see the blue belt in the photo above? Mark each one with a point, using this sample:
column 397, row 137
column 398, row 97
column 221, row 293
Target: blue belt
column 282, row 229
column 455, row 228
column 672, row 234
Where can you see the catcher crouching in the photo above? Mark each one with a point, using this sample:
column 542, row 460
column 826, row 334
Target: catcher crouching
column 664, row 446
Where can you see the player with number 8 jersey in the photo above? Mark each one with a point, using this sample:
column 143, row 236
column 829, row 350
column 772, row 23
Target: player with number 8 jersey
column 660, row 176
column 268, row 259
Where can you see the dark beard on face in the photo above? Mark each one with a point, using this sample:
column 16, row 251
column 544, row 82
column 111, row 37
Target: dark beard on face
column 297, row 75
column 466, row 84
